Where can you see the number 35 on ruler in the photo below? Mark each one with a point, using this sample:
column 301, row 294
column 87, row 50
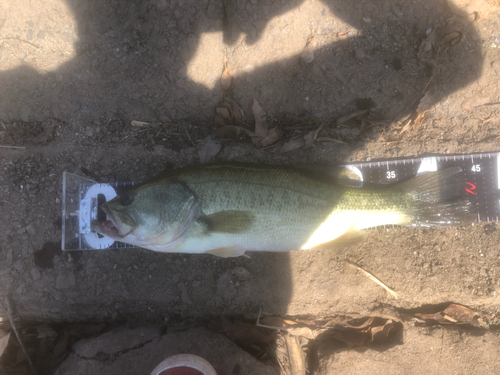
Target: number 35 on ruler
column 390, row 174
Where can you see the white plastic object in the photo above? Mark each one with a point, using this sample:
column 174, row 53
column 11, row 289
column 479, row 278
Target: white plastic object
column 79, row 209
column 185, row 360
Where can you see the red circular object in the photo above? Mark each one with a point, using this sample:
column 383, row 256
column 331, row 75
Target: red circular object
column 181, row 371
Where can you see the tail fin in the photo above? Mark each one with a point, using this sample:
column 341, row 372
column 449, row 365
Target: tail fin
column 437, row 197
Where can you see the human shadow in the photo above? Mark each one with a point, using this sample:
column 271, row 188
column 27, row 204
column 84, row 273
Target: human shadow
column 131, row 64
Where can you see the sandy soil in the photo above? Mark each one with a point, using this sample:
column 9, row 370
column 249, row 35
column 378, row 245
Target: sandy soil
column 74, row 75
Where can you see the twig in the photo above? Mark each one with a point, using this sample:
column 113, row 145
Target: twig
column 189, row 137
column 19, row 39
column 17, row 147
column 296, row 356
column 374, row 279
column 122, row 139
column 9, row 314
column 277, row 359
column 257, row 323
column 159, row 131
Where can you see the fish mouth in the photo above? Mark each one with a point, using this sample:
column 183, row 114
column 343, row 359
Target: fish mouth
column 109, row 227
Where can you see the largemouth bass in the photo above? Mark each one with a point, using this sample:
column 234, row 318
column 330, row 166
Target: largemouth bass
column 227, row 209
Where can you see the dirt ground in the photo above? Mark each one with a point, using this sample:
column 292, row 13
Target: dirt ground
column 75, row 74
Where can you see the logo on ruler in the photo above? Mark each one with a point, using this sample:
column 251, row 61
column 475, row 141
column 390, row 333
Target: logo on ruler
column 470, row 188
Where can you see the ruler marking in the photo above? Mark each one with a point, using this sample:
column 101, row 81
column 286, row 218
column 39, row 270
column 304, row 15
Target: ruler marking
column 498, row 172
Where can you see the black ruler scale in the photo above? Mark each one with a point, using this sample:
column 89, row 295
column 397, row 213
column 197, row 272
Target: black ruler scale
column 480, row 175
column 480, row 172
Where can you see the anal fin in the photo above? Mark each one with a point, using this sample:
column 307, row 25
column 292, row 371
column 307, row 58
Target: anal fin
column 350, row 238
column 227, row 252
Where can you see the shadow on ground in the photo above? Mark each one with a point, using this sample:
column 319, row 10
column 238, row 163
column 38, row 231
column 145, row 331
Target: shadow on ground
column 132, row 63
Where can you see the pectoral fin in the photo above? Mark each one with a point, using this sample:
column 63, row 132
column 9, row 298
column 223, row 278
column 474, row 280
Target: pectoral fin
column 350, row 238
column 229, row 221
column 227, row 252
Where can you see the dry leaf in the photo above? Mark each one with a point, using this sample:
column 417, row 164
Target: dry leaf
column 371, row 121
column 364, row 331
column 351, row 338
column 227, row 75
column 236, row 133
column 427, row 48
column 453, row 314
column 360, row 323
column 452, row 39
column 224, row 112
column 208, row 149
column 306, row 332
column 406, row 127
column 310, row 322
column 235, row 110
column 344, row 119
column 219, row 122
column 380, row 334
column 342, row 34
column 307, row 55
column 228, row 113
column 274, row 321
column 424, row 106
column 272, row 136
column 244, row 333
column 45, row 330
column 4, row 341
column 139, row 124
column 292, row 144
column 329, row 139
column 355, row 332
column 460, row 314
column 310, row 137
column 261, row 126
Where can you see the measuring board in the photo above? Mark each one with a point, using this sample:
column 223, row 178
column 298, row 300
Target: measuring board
column 480, row 173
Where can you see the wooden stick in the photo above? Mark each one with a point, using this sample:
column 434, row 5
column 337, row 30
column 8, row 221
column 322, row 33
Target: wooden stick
column 17, row 147
column 374, row 279
column 9, row 314
column 19, row 39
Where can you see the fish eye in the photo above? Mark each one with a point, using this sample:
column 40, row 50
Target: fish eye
column 127, row 199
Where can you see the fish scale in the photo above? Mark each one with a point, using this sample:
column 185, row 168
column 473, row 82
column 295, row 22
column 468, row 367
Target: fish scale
column 480, row 172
